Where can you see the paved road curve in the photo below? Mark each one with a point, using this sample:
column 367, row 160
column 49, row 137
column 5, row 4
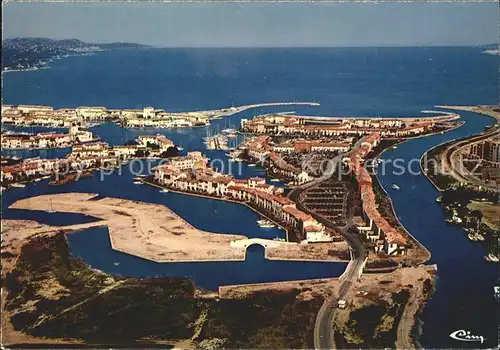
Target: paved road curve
column 323, row 331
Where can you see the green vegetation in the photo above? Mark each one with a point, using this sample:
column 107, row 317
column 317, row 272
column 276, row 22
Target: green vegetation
column 374, row 326
column 476, row 212
column 273, row 320
column 51, row 294
column 431, row 163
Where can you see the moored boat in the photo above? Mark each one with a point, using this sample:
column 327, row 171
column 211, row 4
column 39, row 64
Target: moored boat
column 396, row 187
column 18, row 185
column 493, row 257
column 265, row 224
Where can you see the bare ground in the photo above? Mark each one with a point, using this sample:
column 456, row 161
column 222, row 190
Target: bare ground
column 156, row 233
column 381, row 289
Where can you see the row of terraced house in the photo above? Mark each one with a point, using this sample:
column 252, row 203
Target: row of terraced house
column 191, row 174
column 376, row 228
column 45, row 140
column 301, row 126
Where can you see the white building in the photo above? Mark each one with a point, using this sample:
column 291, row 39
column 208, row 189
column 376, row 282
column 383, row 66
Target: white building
column 33, row 108
column 148, row 112
column 91, row 112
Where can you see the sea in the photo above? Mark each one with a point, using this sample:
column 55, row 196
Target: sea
column 380, row 82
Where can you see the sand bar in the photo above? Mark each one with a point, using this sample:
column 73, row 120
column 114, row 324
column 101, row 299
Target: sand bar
column 150, row 231
column 154, row 232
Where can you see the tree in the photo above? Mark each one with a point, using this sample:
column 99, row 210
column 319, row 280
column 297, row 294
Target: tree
column 152, row 145
column 170, row 152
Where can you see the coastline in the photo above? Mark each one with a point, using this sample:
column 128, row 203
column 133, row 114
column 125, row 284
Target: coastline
column 140, row 229
column 44, row 63
column 69, row 313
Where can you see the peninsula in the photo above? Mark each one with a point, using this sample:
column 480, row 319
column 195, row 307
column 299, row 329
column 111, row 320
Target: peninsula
column 154, row 232
column 46, row 116
column 332, row 209
column 466, row 172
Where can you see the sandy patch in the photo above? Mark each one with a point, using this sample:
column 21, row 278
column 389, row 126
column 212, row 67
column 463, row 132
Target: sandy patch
column 150, row 231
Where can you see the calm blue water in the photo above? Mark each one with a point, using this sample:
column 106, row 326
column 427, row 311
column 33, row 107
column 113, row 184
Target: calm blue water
column 464, row 295
column 207, row 275
column 368, row 81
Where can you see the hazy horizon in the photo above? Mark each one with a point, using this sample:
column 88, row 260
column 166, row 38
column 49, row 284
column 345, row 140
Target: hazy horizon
column 247, row 47
column 258, row 25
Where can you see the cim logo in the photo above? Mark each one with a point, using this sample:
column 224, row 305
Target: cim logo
column 464, row 335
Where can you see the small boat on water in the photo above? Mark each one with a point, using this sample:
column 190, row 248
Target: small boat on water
column 140, row 176
column 472, row 237
column 180, row 148
column 439, row 199
column 18, row 185
column 116, row 263
column 265, row 224
column 496, row 292
column 275, row 180
column 394, row 147
column 493, row 257
column 46, row 177
column 229, row 131
column 164, row 190
column 37, row 179
column 137, row 182
column 396, row 187
column 252, row 165
column 51, row 210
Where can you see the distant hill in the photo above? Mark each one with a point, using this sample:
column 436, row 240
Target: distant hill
column 32, row 53
column 491, row 49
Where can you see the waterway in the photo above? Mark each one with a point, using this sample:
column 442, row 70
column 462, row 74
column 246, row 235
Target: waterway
column 364, row 82
column 464, row 292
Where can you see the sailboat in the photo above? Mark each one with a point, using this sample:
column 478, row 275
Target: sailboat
column 180, row 148
column 50, row 211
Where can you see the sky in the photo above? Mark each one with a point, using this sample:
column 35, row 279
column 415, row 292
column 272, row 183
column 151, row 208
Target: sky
column 258, row 24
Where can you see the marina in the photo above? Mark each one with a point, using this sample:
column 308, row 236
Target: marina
column 448, row 309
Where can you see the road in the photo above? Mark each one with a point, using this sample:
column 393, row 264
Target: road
column 453, row 163
column 323, row 331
